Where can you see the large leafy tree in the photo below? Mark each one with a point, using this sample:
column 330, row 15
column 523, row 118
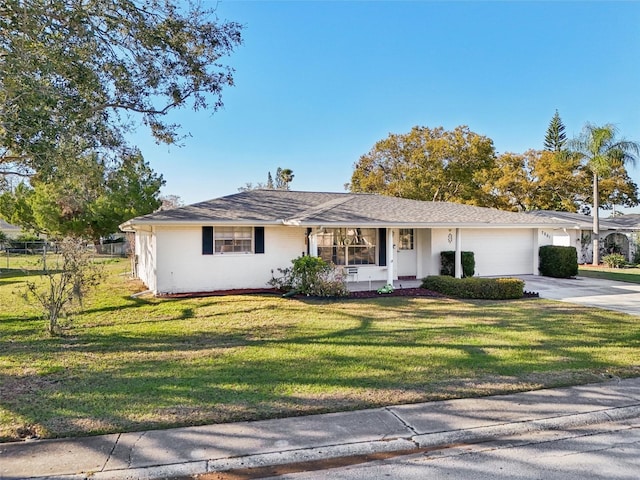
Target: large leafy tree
column 535, row 180
column 76, row 76
column 555, row 139
column 602, row 154
column 85, row 199
column 618, row 188
column 427, row 164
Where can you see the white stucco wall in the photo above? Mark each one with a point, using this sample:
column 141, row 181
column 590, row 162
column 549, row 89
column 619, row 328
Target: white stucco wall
column 497, row 251
column 442, row 239
column 145, row 250
column 423, row 253
column 171, row 260
column 181, row 266
column 580, row 239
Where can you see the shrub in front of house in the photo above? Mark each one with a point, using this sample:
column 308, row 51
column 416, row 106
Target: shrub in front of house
column 558, row 262
column 614, row 260
column 475, row 287
column 448, row 263
column 310, row 276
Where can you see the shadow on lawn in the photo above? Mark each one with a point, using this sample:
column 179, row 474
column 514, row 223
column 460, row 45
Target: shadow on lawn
column 164, row 379
column 6, row 273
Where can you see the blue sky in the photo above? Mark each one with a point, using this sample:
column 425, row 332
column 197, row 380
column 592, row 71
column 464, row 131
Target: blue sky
column 319, row 82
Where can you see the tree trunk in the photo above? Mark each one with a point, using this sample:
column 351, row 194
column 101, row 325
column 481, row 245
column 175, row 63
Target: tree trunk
column 596, row 223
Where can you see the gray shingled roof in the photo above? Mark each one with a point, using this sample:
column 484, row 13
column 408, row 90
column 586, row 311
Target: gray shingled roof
column 264, row 207
column 629, row 221
column 585, row 222
column 7, row 227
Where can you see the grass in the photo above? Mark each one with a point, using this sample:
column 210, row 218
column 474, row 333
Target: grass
column 631, row 275
column 131, row 364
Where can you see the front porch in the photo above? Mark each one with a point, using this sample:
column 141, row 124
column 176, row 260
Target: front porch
column 372, row 285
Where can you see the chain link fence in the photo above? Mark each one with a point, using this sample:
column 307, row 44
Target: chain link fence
column 36, row 255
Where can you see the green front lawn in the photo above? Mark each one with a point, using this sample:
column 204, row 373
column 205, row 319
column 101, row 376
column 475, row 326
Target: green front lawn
column 631, row 275
column 131, row 364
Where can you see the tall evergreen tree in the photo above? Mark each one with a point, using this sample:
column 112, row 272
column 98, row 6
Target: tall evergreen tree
column 556, row 137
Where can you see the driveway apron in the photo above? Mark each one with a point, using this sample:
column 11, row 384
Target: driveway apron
column 592, row 292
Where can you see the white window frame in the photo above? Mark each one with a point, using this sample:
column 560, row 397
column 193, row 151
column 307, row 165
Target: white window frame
column 403, row 235
column 346, row 241
column 233, row 240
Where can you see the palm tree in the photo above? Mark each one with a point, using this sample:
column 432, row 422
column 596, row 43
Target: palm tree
column 284, row 176
column 601, row 152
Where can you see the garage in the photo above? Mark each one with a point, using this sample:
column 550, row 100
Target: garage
column 501, row 251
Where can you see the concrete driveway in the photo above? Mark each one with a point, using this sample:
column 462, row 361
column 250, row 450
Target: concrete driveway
column 592, row 292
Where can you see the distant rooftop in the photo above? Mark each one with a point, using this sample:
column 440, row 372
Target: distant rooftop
column 585, row 222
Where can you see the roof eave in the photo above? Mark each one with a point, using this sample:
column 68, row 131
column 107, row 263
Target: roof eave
column 132, row 224
column 379, row 224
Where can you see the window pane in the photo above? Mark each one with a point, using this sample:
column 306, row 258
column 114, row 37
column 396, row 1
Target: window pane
column 333, row 254
column 233, row 239
column 355, row 246
column 406, row 239
column 362, row 255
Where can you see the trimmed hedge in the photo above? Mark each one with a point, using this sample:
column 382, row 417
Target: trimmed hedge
column 475, row 287
column 448, row 263
column 558, row 262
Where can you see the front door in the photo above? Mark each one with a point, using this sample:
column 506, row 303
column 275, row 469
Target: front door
column 407, row 259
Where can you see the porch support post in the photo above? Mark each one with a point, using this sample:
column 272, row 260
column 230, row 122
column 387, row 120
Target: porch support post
column 313, row 245
column 536, row 249
column 390, row 256
column 458, row 257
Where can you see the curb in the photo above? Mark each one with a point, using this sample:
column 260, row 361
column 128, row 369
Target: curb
column 413, row 443
column 484, row 434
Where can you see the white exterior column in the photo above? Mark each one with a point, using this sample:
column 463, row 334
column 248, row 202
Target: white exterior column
column 458, row 257
column 536, row 248
column 390, row 256
column 313, row 245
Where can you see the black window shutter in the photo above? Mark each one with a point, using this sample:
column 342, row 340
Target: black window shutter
column 207, row 240
column 307, row 241
column 258, row 233
column 382, row 248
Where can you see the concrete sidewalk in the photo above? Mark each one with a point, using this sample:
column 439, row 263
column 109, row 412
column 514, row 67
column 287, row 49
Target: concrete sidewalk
column 217, row 448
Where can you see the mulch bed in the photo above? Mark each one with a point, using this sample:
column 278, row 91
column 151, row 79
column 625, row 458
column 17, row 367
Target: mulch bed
column 222, row 293
column 399, row 292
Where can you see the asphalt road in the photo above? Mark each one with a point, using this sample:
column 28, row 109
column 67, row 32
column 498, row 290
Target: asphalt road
column 608, row 451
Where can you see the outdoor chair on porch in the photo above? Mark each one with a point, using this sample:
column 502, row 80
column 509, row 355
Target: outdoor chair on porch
column 351, row 273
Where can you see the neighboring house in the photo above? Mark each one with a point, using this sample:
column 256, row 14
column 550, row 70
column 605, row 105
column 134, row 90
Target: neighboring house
column 11, row 231
column 239, row 241
column 617, row 234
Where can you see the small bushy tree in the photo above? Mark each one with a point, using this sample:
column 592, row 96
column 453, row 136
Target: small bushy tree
column 75, row 275
column 311, row 276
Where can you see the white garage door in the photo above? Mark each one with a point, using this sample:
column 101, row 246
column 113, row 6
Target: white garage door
column 500, row 251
